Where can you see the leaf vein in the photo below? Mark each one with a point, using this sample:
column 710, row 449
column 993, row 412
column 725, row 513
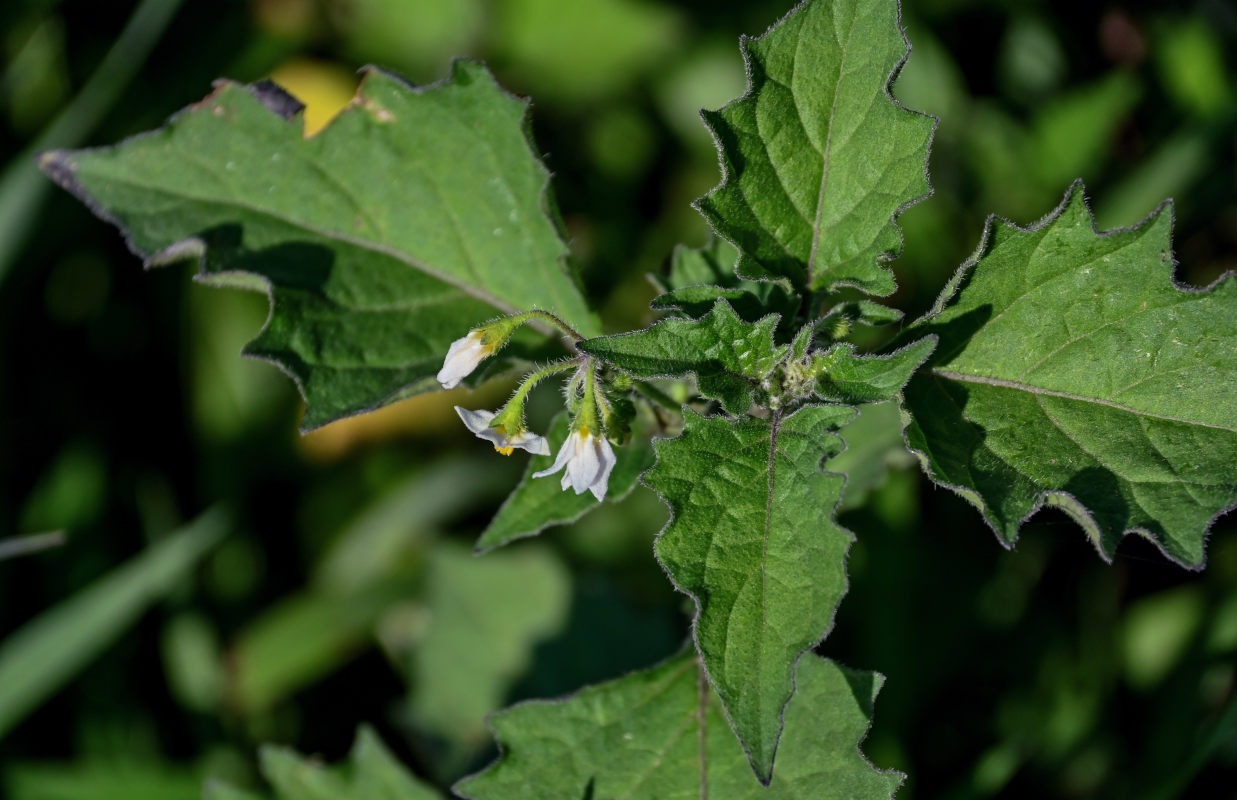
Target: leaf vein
column 333, row 235
column 1039, row 390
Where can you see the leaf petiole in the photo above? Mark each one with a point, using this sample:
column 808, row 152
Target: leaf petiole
column 546, row 316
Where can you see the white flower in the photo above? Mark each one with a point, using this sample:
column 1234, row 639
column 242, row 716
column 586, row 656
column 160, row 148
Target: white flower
column 586, row 461
column 479, row 423
column 462, row 358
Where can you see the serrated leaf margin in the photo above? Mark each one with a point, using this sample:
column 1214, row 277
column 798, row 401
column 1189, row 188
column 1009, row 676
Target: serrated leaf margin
column 749, row 91
column 693, row 639
column 878, row 678
column 283, row 104
column 1056, row 498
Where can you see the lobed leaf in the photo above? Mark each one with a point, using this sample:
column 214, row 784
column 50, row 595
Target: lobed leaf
column 818, row 159
column 1073, row 372
column 414, row 215
column 846, row 377
column 661, row 735
column 538, row 503
column 729, row 357
column 753, row 542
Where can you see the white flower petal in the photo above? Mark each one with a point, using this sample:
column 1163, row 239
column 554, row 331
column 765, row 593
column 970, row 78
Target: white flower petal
column 479, row 422
column 564, row 455
column 525, row 440
column 602, row 483
column 586, row 461
column 585, row 466
column 463, row 356
column 475, row 421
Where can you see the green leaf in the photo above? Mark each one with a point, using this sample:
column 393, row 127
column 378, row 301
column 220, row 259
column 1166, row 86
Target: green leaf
column 729, row 357
column 846, row 377
column 661, row 734
column 412, row 217
column 711, row 265
column 485, row 616
column 303, row 637
column 864, row 312
column 751, row 305
column 372, row 774
column 700, row 277
column 817, row 158
column 753, row 542
column 1073, row 372
column 374, row 563
column 873, row 445
column 539, row 503
column 98, row 778
column 42, row 655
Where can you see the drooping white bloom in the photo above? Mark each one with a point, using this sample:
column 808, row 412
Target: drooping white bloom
column 463, row 356
column 479, row 423
column 586, row 461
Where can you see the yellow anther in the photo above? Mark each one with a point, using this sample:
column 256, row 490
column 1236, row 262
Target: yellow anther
column 504, row 450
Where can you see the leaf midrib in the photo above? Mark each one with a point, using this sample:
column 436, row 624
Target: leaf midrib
column 327, row 234
column 1041, row 391
column 824, row 175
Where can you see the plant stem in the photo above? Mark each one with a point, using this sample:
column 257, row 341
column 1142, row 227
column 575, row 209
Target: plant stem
column 656, row 395
column 555, row 321
column 534, row 378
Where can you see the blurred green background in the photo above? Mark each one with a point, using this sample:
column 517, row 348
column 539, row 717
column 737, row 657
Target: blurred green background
column 221, row 581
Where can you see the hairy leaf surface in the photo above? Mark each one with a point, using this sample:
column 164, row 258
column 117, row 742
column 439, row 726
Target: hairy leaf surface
column 817, row 157
column 538, row 503
column 753, row 542
column 661, row 735
column 373, row 774
column 412, row 217
column 729, row 357
column 1072, row 371
column 850, row 378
